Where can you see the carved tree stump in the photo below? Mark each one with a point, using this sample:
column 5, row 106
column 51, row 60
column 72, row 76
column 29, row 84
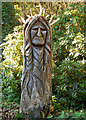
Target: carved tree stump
column 36, row 76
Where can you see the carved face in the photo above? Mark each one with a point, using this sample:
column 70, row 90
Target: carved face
column 38, row 34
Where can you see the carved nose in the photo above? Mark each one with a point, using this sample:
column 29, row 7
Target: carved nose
column 39, row 32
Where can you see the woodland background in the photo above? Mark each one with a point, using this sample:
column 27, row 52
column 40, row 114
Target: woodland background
column 68, row 64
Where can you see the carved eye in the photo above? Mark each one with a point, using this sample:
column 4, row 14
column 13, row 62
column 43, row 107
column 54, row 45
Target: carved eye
column 35, row 29
column 43, row 29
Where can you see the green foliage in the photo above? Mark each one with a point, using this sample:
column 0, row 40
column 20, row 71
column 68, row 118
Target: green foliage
column 70, row 115
column 18, row 116
column 9, row 20
column 69, row 84
column 23, row 8
column 68, row 33
column 68, row 80
column 12, row 65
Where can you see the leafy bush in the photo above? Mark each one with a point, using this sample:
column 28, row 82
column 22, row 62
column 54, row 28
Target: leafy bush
column 12, row 65
column 9, row 19
column 70, row 115
column 68, row 83
column 68, row 80
column 68, row 34
column 18, row 116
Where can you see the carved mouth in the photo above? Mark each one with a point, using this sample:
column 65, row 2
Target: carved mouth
column 38, row 41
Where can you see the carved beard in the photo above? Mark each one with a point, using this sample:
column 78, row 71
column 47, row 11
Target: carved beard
column 35, row 64
column 38, row 67
column 40, row 71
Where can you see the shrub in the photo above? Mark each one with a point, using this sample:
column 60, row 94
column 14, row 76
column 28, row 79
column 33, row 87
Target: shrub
column 68, row 84
column 9, row 19
column 68, row 80
column 11, row 67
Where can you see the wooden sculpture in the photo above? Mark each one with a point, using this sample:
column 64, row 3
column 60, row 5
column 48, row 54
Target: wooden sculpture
column 37, row 62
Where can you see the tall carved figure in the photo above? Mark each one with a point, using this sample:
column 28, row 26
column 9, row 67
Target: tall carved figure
column 36, row 76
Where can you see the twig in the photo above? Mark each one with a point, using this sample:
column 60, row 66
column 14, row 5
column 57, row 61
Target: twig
column 40, row 13
column 22, row 20
column 28, row 16
column 31, row 12
column 40, row 9
column 54, row 22
column 43, row 12
column 47, row 16
column 51, row 18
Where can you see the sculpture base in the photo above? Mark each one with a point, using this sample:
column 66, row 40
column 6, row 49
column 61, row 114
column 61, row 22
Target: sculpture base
column 37, row 113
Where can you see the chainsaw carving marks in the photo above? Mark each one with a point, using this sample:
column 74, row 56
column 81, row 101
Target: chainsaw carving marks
column 36, row 75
